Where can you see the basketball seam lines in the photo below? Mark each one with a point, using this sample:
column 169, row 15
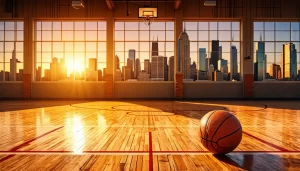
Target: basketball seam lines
column 227, row 136
column 219, row 127
column 206, row 136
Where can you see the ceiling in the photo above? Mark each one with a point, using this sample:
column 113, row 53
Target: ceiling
column 110, row 3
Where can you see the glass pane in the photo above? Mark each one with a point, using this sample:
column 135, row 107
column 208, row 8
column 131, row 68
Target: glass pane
column 235, row 26
column 46, row 47
column 279, row 46
column 1, row 35
column 46, row 25
column 190, row 25
column 213, row 35
column 69, row 46
column 20, row 36
column 56, row 35
column 119, row 35
column 1, row 25
column 160, row 35
column 101, row 56
column 38, row 46
column 9, row 25
column 79, row 47
column 119, row 46
column 144, row 46
column 169, row 35
column 282, row 26
column 143, row 26
column 56, row 25
column 91, row 35
column 224, row 25
column 169, row 25
column 269, row 47
column 269, row 36
column 92, row 25
column 9, row 36
column 213, row 26
column 158, row 26
column 258, row 36
column 101, row 25
column 169, row 46
column 79, row 35
column 19, row 46
column 46, row 57
column 131, row 36
column 295, row 35
column 38, row 57
column 131, row 45
column 58, row 46
column 225, row 46
column 193, row 56
column 269, row 25
column 235, row 35
column 144, row 35
column 202, row 25
column 20, row 26
column 38, row 36
column 283, row 36
column 101, row 35
column 102, row 46
column 203, row 45
column 295, row 26
column 119, row 25
column 192, row 35
column 9, row 46
column 91, row 46
column 224, row 35
column 258, row 26
column 38, row 25
column 67, row 35
column 79, row 25
column 46, row 35
column 1, row 57
column 67, row 25
column 132, row 25
column 202, row 35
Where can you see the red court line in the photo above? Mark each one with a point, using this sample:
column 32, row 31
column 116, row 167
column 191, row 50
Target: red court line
column 27, row 142
column 268, row 143
column 150, row 152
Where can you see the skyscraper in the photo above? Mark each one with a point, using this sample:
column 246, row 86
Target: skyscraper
column 92, row 64
column 275, row 71
column 166, row 69
column 131, row 57
column 53, row 69
column 171, row 69
column 220, row 52
column 129, row 69
column 202, row 61
column 193, row 71
column 211, row 72
column 157, row 67
column 214, row 57
column 233, row 65
column 223, row 65
column 183, row 58
column 154, row 51
column 259, row 61
column 39, row 74
column 147, row 66
column 289, row 61
column 137, row 68
column 117, row 62
column 13, row 65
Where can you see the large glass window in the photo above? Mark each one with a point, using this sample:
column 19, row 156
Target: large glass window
column 276, row 51
column 70, row 50
column 11, row 50
column 144, row 53
column 214, row 51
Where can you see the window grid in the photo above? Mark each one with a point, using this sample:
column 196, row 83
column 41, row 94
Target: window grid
column 16, row 27
column 276, row 51
column 64, row 51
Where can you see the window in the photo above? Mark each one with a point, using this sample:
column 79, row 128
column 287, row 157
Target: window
column 144, row 53
column 11, row 50
column 214, row 51
column 276, row 51
column 70, row 50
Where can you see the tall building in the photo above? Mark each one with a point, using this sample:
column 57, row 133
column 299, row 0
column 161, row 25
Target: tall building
column 127, row 73
column 100, row 77
column 53, row 69
column 207, row 63
column 234, row 64
column 147, row 66
column 289, row 61
column 13, row 65
column 220, row 52
column 62, row 69
column 130, row 64
column 211, row 70
column 47, row 75
column 214, row 57
column 118, row 75
column 202, row 59
column 92, row 64
column 157, row 67
column 39, row 74
column 166, row 69
column 275, row 71
column 259, row 61
column 131, row 57
column 193, row 71
column 154, row 51
column 218, row 76
column 223, row 65
column 171, row 69
column 2, row 75
column 137, row 68
column 143, row 76
column 183, row 58
column 117, row 62
column 202, row 75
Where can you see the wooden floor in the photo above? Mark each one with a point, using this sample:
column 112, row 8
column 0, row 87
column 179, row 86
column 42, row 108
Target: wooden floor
column 143, row 135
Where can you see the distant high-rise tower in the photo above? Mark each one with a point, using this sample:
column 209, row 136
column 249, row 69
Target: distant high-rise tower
column 202, row 61
column 211, row 72
column 223, row 65
column 13, row 65
column 157, row 67
column 193, row 71
column 147, row 66
column 166, row 69
column 93, row 64
column 220, row 52
column 183, row 58
column 154, row 48
column 289, row 61
column 131, row 57
column 137, row 68
column 234, row 64
column 214, row 57
column 259, row 61
column 171, row 69
column 53, row 69
column 117, row 62
column 275, row 71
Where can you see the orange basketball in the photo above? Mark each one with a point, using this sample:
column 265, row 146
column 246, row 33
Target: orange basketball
column 220, row 131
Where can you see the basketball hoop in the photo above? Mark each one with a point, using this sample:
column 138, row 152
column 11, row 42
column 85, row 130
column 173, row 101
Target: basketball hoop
column 148, row 19
column 148, row 14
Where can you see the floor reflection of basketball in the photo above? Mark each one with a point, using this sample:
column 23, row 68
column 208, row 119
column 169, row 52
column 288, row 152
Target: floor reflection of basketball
column 220, row 131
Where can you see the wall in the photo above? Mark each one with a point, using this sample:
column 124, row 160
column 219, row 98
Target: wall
column 157, row 89
column 213, row 89
column 74, row 90
column 277, row 90
column 245, row 10
column 10, row 90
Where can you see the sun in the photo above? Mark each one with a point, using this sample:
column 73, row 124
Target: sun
column 74, row 66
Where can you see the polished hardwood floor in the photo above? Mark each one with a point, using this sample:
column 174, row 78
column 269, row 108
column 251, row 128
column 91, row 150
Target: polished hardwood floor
column 143, row 135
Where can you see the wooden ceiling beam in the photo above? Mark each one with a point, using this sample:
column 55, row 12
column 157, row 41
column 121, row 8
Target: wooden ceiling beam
column 110, row 4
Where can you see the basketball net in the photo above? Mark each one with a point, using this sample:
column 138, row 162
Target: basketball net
column 148, row 19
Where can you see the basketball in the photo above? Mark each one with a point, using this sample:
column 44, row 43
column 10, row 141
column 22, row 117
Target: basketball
column 220, row 131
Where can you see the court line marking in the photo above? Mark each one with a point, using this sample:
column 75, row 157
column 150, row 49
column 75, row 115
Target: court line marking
column 267, row 143
column 150, row 152
column 38, row 137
